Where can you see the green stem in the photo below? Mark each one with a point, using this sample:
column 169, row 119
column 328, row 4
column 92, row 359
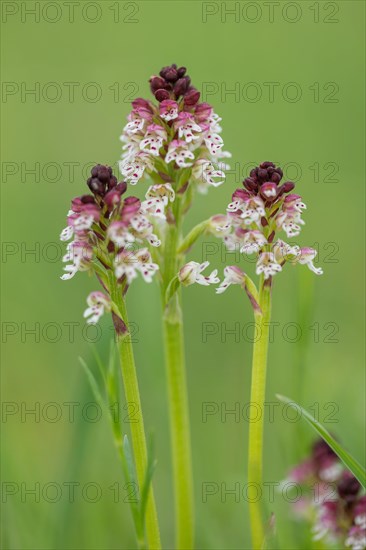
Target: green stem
column 132, row 395
column 257, row 398
column 177, row 393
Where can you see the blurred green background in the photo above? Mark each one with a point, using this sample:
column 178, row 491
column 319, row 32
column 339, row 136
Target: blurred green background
column 297, row 72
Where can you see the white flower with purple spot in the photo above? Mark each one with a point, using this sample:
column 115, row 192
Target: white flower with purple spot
column 179, row 153
column 98, row 303
column 267, row 265
column 192, row 273
column 232, row 276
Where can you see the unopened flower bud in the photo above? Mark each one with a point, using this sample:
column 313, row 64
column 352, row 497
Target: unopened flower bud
column 156, row 82
column 181, row 71
column 191, row 97
column 250, row 184
column 161, row 94
column 348, row 486
column 287, row 186
column 96, row 186
column 181, row 86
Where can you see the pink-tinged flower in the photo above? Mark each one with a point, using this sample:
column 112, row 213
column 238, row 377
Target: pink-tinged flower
column 267, row 265
column 356, row 538
column 289, row 217
column 179, row 153
column 285, row 252
column 163, row 191
column 134, row 170
column 128, row 263
column 135, row 125
column 81, row 219
column 153, row 139
column 219, row 224
column 203, row 112
column 269, row 190
column 192, row 273
column 143, row 229
column 98, row 303
column 250, row 209
column 206, row 174
column 119, row 234
column 187, row 128
column 246, row 241
column 306, row 257
column 80, row 254
column 232, row 276
column 327, row 521
column 359, row 512
column 168, row 109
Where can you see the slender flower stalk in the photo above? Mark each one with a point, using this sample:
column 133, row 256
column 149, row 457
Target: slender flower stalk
column 257, row 396
column 256, row 214
column 108, row 233
column 177, row 144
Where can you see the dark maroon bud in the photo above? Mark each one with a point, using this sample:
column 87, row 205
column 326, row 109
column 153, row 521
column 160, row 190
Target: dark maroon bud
column 348, row 486
column 267, row 165
column 280, row 171
column 96, row 186
column 191, row 97
column 171, row 75
column 181, row 71
column 112, row 181
column 161, row 94
column 287, row 186
column 250, row 184
column 321, row 449
column 121, row 187
column 163, row 71
column 264, row 221
column 156, row 83
column 181, row 86
column 94, row 171
column 104, row 174
column 87, row 199
column 262, row 174
column 275, row 177
column 254, row 173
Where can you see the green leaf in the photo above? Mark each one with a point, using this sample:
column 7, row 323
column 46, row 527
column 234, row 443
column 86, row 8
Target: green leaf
column 93, row 384
column 172, row 288
column 150, row 469
column 355, row 467
column 129, row 460
column 192, row 237
column 131, row 478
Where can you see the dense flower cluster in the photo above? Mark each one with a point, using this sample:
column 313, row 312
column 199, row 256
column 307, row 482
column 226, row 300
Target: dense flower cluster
column 109, row 233
column 258, row 211
column 334, row 504
column 178, row 132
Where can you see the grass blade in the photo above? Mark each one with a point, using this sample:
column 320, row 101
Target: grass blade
column 350, row 463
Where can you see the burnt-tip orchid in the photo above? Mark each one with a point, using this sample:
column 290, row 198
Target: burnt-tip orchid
column 111, row 233
column 258, row 212
column 177, row 133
